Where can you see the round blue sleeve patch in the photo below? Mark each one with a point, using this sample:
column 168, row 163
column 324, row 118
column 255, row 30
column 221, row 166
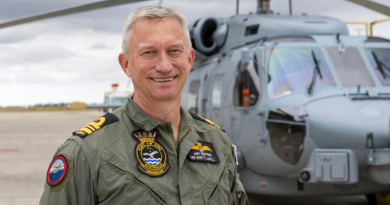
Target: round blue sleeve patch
column 59, row 171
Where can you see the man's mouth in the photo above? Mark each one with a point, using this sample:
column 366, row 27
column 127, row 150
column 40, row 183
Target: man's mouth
column 163, row 79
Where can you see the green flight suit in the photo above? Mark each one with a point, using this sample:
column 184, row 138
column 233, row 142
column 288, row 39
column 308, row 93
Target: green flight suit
column 102, row 167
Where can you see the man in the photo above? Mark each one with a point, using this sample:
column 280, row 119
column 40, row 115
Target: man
column 149, row 151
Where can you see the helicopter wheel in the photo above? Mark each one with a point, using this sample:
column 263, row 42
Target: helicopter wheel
column 371, row 198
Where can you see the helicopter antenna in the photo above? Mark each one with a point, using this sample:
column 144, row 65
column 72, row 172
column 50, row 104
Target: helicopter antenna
column 290, row 4
column 237, row 6
column 263, row 6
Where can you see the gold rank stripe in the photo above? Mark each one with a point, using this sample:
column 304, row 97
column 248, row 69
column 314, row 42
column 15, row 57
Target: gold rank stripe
column 86, row 130
column 210, row 122
column 89, row 129
column 100, row 122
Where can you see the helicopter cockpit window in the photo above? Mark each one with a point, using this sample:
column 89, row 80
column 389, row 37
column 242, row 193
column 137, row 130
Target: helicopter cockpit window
column 246, row 87
column 350, row 67
column 193, row 96
column 380, row 61
column 292, row 69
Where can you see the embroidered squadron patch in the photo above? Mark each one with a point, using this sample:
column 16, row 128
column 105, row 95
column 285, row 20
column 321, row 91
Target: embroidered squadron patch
column 59, row 171
column 107, row 119
column 151, row 156
column 203, row 152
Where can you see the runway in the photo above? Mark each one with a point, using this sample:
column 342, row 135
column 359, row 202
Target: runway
column 28, row 141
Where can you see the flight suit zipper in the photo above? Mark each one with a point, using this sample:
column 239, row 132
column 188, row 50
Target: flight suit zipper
column 174, row 147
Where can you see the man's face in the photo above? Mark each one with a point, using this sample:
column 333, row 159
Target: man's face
column 159, row 60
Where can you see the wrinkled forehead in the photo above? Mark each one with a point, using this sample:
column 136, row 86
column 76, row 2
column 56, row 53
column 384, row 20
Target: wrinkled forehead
column 147, row 30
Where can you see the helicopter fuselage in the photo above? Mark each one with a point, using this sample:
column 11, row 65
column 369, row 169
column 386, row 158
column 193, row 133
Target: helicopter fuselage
column 310, row 115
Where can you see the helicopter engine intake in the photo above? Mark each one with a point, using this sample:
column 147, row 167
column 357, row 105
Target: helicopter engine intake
column 208, row 35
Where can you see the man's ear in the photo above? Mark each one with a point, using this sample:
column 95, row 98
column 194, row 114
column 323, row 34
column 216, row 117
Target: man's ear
column 191, row 58
column 124, row 62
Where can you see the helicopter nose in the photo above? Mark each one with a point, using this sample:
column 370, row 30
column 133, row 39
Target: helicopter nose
column 340, row 122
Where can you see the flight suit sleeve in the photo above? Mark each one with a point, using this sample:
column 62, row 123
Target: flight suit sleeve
column 68, row 179
column 238, row 192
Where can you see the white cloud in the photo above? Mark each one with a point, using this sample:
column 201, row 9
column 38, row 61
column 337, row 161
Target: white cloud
column 101, row 46
column 74, row 58
column 29, row 53
column 5, row 80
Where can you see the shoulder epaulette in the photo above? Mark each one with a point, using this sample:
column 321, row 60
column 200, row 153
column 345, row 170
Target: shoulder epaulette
column 200, row 118
column 100, row 122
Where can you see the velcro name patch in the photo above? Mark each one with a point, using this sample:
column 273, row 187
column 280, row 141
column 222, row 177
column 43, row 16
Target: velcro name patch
column 100, row 122
column 203, row 152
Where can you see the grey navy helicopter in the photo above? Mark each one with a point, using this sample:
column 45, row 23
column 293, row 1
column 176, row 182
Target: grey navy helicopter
column 306, row 104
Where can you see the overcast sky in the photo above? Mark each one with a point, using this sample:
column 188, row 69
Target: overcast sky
column 74, row 58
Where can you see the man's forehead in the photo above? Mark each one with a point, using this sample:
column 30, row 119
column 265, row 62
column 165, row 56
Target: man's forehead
column 147, row 33
column 152, row 44
column 157, row 27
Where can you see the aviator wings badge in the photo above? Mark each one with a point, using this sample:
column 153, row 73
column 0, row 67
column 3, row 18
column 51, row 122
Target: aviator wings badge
column 151, row 156
column 203, row 152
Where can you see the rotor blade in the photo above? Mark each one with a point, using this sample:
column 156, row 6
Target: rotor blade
column 380, row 8
column 67, row 11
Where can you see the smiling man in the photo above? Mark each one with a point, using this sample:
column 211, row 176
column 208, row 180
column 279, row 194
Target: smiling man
column 150, row 151
column 158, row 59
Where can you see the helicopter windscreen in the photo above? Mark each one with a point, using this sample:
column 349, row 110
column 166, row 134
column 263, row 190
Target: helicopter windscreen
column 291, row 70
column 383, row 58
column 350, row 67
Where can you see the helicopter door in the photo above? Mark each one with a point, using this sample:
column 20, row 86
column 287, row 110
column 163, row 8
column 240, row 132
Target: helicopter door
column 245, row 120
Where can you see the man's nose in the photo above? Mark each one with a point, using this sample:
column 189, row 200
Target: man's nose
column 164, row 64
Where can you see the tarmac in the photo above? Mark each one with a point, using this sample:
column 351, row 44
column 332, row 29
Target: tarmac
column 28, row 141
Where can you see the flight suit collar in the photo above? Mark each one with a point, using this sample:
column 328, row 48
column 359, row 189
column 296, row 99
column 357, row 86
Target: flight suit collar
column 143, row 121
column 138, row 116
column 186, row 118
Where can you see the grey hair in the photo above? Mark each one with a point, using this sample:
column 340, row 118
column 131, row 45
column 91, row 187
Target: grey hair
column 152, row 12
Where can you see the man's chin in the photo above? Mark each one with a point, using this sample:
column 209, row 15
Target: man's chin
column 166, row 96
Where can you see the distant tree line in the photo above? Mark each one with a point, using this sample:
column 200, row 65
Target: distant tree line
column 59, row 105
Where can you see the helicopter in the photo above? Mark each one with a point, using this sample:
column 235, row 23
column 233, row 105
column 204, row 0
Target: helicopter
column 306, row 104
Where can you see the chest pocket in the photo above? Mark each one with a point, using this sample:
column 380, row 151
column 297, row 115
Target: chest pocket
column 214, row 179
column 120, row 183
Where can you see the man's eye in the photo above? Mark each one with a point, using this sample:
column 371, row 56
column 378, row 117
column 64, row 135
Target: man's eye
column 148, row 53
column 175, row 51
